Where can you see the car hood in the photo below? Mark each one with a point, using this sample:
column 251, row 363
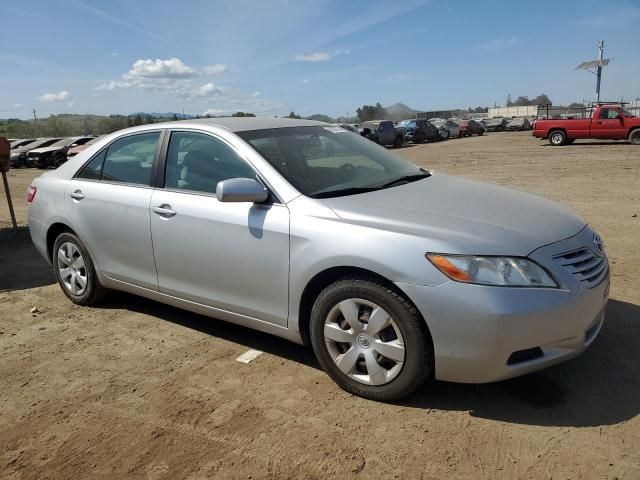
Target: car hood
column 462, row 216
column 45, row 150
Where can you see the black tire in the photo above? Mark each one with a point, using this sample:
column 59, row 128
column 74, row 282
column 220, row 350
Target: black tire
column 481, row 133
column 94, row 292
column 634, row 137
column 557, row 138
column 59, row 160
column 420, row 138
column 397, row 143
column 419, row 359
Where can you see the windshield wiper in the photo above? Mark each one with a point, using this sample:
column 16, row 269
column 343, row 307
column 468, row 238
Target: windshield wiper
column 405, row 179
column 343, row 191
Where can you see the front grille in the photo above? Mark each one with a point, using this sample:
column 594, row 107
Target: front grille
column 585, row 265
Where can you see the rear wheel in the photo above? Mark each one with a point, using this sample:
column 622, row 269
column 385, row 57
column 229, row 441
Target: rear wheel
column 634, row 137
column 397, row 143
column 370, row 340
column 557, row 138
column 59, row 160
column 75, row 271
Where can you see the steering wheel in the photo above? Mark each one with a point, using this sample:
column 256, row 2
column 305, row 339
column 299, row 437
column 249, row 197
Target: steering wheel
column 347, row 166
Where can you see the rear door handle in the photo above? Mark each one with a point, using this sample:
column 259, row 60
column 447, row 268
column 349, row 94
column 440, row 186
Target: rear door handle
column 164, row 210
column 77, row 195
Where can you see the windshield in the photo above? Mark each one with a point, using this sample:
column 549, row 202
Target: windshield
column 437, row 123
column 407, row 123
column 63, row 143
column 627, row 113
column 325, row 162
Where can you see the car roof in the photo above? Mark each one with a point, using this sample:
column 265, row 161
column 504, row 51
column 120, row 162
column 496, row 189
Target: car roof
column 244, row 124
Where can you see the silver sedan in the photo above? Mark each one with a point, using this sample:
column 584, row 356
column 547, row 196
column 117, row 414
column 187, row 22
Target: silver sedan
column 392, row 273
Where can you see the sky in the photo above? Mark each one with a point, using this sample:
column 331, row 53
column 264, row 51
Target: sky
column 271, row 57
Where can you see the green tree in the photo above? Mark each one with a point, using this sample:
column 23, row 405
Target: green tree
column 542, row 99
column 293, row 115
column 369, row 112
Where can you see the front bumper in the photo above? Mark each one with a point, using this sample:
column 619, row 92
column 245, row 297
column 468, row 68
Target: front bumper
column 478, row 331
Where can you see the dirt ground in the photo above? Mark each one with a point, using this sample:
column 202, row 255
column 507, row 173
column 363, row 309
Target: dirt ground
column 135, row 389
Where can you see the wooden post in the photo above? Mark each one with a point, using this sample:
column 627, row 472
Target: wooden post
column 5, row 149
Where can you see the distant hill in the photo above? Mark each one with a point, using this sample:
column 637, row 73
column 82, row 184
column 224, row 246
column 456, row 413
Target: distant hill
column 165, row 114
column 399, row 111
column 321, row 118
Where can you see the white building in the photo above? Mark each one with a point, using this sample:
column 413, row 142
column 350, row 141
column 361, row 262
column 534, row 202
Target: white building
column 527, row 111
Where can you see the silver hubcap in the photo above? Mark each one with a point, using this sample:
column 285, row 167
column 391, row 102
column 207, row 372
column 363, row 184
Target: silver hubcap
column 73, row 273
column 556, row 138
column 364, row 341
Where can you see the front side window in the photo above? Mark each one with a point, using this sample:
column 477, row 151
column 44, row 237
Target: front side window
column 127, row 160
column 197, row 162
column 323, row 162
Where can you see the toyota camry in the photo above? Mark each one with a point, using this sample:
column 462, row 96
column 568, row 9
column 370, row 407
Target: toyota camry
column 392, row 273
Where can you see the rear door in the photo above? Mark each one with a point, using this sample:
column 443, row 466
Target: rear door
column 230, row 256
column 609, row 124
column 108, row 203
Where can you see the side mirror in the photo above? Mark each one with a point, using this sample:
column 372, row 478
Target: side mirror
column 241, row 190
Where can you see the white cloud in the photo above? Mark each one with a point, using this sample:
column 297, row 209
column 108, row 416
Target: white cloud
column 313, row 57
column 320, row 56
column 112, row 85
column 170, row 68
column 305, row 80
column 114, row 54
column 55, row 97
column 17, row 105
column 497, row 44
column 207, row 89
column 215, row 69
column 173, row 78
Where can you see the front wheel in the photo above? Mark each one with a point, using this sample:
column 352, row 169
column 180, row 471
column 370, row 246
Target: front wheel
column 634, row 137
column 397, row 143
column 557, row 138
column 75, row 271
column 370, row 340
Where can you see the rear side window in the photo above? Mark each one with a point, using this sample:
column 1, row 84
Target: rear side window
column 127, row 160
column 93, row 169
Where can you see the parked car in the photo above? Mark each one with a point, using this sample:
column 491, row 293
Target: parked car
column 18, row 156
column 21, row 142
column 448, row 128
column 420, row 131
column 496, row 124
column 73, row 151
column 518, row 124
column 346, row 126
column 382, row 132
column 475, row 128
column 608, row 122
column 394, row 274
column 55, row 154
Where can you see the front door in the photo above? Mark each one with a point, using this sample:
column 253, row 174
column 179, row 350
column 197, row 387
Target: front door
column 609, row 124
column 230, row 256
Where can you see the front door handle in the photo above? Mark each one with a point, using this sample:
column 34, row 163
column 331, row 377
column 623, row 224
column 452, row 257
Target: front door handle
column 77, row 195
column 164, row 210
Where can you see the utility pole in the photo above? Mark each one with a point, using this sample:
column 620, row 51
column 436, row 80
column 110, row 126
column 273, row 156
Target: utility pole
column 599, row 71
column 595, row 67
column 34, row 115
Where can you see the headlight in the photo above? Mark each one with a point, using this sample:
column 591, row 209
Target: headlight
column 501, row 271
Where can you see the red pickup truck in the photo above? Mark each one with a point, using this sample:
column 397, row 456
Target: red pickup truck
column 609, row 122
